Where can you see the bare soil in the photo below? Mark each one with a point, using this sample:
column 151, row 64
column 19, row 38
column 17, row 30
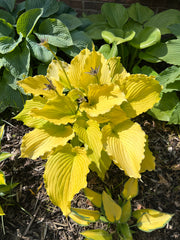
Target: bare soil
column 31, row 216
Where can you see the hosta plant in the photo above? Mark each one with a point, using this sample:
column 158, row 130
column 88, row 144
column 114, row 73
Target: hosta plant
column 138, row 33
column 119, row 213
column 22, row 28
column 81, row 114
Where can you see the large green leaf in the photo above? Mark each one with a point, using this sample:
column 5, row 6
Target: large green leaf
column 117, row 36
column 163, row 19
column 8, row 44
column 55, row 33
column 18, row 61
column 8, row 4
column 65, row 175
column 175, row 29
column 175, row 117
column 115, row 14
column 80, row 41
column 6, row 29
column 10, row 95
column 140, row 13
column 94, row 30
column 108, row 51
column 49, row 6
column 166, row 106
column 168, row 76
column 173, row 52
column 70, row 21
column 7, row 16
column 27, row 21
column 40, row 52
column 149, row 36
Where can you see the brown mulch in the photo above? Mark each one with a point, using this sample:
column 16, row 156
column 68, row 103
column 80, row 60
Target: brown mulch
column 31, row 216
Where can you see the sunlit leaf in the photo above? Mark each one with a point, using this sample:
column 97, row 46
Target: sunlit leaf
column 1, row 132
column 84, row 216
column 93, row 196
column 4, row 155
column 1, row 211
column 130, row 189
column 109, row 52
column 112, row 209
column 150, row 219
column 97, row 234
column 117, row 36
column 2, row 178
column 39, row 141
column 125, row 144
column 65, row 175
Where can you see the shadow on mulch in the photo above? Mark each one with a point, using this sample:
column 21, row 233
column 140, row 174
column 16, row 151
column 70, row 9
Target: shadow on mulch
column 33, row 217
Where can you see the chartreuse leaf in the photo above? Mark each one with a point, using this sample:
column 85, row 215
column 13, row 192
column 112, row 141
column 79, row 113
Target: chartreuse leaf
column 25, row 115
column 55, row 114
column 126, row 211
column 111, row 208
column 150, row 219
column 94, row 197
column 125, row 231
column 84, row 216
column 65, row 175
column 102, row 98
column 97, row 234
column 89, row 133
column 117, row 36
column 54, row 32
column 148, row 163
column 163, row 19
column 107, row 51
column 115, row 14
column 2, row 178
column 27, row 21
column 1, row 132
column 39, row 141
column 1, row 211
column 4, row 155
column 49, row 7
column 130, row 189
column 147, row 37
column 39, row 85
column 140, row 13
column 125, row 144
column 141, row 92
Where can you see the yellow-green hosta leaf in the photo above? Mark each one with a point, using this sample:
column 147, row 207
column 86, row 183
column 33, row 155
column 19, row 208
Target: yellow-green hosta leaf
column 40, row 141
column 25, row 115
column 89, row 133
column 101, row 99
column 148, row 163
column 1, row 132
column 84, row 216
column 60, row 110
column 1, row 211
column 38, row 85
column 125, row 144
column 141, row 92
column 126, row 212
column 97, row 234
column 116, row 67
column 111, row 208
column 150, row 219
column 130, row 189
column 56, row 74
column 94, row 197
column 2, row 178
column 65, row 175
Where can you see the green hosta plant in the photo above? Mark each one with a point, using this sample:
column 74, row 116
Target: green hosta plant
column 119, row 214
column 137, row 33
column 22, row 28
column 81, row 114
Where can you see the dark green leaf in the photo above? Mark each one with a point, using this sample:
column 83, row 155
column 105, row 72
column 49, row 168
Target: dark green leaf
column 175, row 117
column 163, row 19
column 49, row 6
column 8, row 4
column 6, row 29
column 132, row 26
column 8, row 44
column 145, row 70
column 27, row 21
column 7, row 16
column 140, row 13
column 55, row 33
column 175, row 29
column 70, row 21
column 169, row 75
column 94, row 30
column 115, row 14
column 148, row 37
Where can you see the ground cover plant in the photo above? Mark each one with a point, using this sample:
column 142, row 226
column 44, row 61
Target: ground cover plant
column 22, row 27
column 90, row 130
